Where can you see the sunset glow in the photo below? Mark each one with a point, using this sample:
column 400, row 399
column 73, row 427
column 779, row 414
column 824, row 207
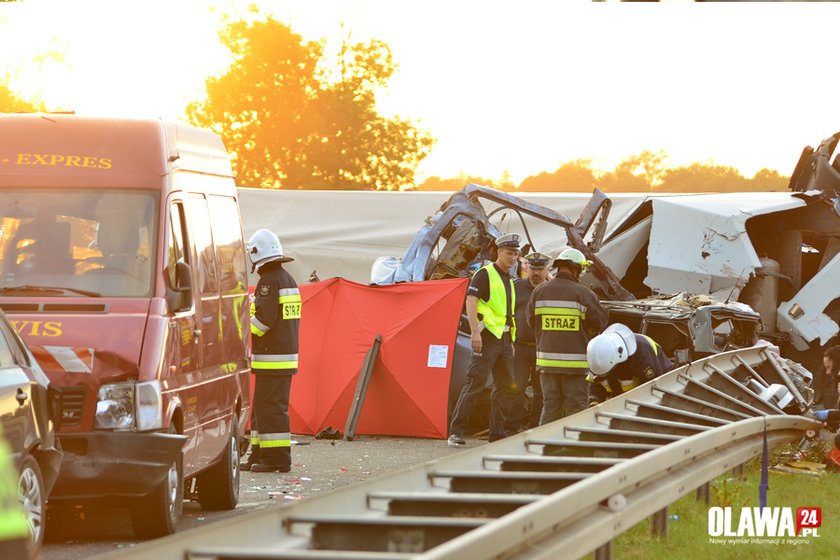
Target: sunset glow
column 505, row 88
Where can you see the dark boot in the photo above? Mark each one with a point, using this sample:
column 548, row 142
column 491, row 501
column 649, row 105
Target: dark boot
column 253, row 458
column 268, row 467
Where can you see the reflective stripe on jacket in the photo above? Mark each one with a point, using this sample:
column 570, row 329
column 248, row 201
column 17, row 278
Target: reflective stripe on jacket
column 494, row 312
column 275, row 320
column 564, row 316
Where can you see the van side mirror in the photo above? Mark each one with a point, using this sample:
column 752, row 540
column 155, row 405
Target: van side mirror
column 179, row 296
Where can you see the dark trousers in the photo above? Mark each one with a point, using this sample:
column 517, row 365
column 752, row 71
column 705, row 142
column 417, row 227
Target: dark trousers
column 525, row 372
column 563, row 395
column 496, row 357
column 270, row 424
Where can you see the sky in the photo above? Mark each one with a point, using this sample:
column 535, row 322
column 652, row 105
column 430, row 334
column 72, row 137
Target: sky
column 507, row 88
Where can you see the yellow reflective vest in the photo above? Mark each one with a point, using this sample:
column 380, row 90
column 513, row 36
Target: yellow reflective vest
column 494, row 311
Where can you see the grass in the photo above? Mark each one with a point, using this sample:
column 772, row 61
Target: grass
column 688, row 518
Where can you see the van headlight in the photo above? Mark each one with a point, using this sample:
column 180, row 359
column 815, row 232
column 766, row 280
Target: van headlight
column 126, row 406
column 149, row 406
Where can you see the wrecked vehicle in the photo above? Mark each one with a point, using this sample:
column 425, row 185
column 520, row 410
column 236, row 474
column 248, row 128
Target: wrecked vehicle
column 776, row 252
column 688, row 326
column 701, row 274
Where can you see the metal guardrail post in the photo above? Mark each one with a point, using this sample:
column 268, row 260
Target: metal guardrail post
column 703, row 493
column 603, row 552
column 659, row 524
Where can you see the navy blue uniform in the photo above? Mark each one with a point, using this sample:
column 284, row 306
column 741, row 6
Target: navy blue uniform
column 647, row 362
column 275, row 322
column 525, row 357
column 496, row 358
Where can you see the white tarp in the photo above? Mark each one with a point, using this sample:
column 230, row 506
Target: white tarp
column 341, row 233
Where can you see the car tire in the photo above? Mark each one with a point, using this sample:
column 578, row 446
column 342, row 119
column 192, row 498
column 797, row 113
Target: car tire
column 33, row 499
column 218, row 487
column 157, row 514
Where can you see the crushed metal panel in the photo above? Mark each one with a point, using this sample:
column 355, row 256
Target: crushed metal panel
column 619, row 253
column 803, row 316
column 699, row 243
column 816, row 170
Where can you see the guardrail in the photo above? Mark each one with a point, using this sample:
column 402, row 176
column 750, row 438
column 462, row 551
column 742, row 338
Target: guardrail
column 560, row 490
column 589, row 514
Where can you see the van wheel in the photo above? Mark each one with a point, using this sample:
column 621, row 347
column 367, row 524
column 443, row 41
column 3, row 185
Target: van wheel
column 158, row 513
column 218, row 487
column 31, row 496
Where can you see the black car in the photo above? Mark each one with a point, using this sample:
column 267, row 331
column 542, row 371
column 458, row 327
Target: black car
column 26, row 414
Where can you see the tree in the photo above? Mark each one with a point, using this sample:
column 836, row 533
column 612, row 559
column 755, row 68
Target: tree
column 435, row 183
column 10, row 102
column 639, row 173
column 768, row 180
column 572, row 176
column 699, row 178
column 288, row 125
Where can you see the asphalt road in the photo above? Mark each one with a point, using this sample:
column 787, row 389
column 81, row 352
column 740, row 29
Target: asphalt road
column 318, row 466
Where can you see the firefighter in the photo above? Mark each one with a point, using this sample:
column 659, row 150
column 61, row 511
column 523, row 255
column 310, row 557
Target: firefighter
column 620, row 360
column 565, row 315
column 524, row 356
column 490, row 305
column 275, row 318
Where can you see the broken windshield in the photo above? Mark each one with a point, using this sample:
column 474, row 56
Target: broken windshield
column 75, row 242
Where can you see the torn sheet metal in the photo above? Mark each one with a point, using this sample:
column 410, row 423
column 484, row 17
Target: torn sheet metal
column 803, row 317
column 623, row 247
column 699, row 243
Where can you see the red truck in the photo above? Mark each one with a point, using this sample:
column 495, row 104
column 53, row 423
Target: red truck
column 123, row 267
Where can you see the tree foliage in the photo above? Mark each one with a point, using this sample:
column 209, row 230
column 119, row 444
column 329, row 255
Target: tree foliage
column 10, row 102
column 435, row 183
column 637, row 173
column 646, row 172
column 571, row 176
column 289, row 125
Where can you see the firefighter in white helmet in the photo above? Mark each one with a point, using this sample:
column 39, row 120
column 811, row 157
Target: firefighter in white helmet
column 564, row 315
column 620, row 360
column 275, row 319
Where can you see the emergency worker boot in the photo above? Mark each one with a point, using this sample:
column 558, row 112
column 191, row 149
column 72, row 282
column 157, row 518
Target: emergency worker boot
column 267, row 467
column 253, row 459
column 456, row 441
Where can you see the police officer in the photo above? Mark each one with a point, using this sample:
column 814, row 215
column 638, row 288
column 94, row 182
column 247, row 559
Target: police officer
column 620, row 360
column 490, row 306
column 564, row 315
column 525, row 353
column 275, row 318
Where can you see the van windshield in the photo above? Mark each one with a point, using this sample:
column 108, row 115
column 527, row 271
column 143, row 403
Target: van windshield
column 76, row 242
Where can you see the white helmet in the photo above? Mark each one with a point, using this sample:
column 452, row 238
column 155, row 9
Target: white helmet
column 573, row 255
column 626, row 333
column 610, row 348
column 264, row 247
